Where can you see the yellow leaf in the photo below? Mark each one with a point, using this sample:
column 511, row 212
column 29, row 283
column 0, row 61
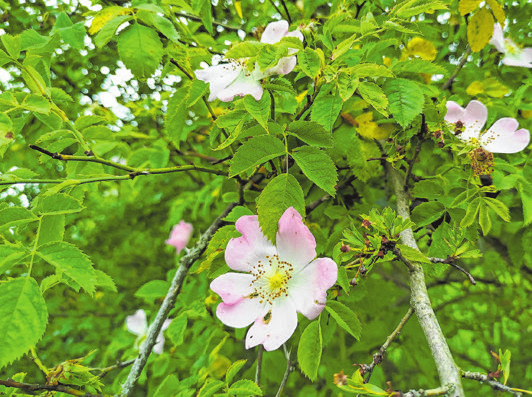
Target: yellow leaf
column 497, row 11
column 370, row 129
column 421, row 48
column 490, row 86
column 104, row 16
column 527, row 114
column 480, row 30
column 475, row 88
column 466, row 6
column 238, row 7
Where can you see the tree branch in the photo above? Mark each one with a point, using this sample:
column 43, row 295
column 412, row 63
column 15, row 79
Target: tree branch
column 260, row 350
column 377, row 357
column 169, row 301
column 28, row 387
column 440, row 391
column 420, row 302
column 490, row 381
column 449, row 82
column 450, row 262
column 287, row 372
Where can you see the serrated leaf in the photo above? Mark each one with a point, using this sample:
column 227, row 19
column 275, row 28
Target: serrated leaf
column 10, row 255
column 52, row 228
column 176, row 330
column 311, row 133
column 153, row 289
column 343, row 280
column 480, row 30
column 140, row 49
column 168, row 386
column 317, row 166
column 498, row 11
column 13, row 216
column 372, row 70
column 233, row 370
column 12, row 45
column 405, row 100
column 87, row 121
column 245, row 387
column 36, row 103
column 59, row 204
column 210, row 387
column 309, row 350
column 104, row 16
column 24, row 317
column 247, row 49
column 260, row 110
column 176, row 113
column 471, row 213
column 326, row 110
column 466, row 6
column 6, row 125
column 164, row 26
column 501, row 209
column 410, row 8
column 418, row 66
column 426, row 213
column 70, row 260
column 374, row 96
column 309, row 61
column 280, row 194
column 203, row 8
column 104, row 280
column 412, row 254
column 109, row 30
column 345, row 318
column 256, row 151
column 484, row 219
column 347, row 82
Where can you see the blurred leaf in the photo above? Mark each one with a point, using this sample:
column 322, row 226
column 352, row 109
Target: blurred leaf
column 310, row 350
column 13, row 216
column 233, row 370
column 480, row 30
column 466, row 6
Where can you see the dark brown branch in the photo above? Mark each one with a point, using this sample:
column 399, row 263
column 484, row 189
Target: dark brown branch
column 30, row 388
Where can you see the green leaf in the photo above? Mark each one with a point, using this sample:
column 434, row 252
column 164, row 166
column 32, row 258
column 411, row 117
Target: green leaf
column 176, row 330
column 260, row 110
column 280, row 194
column 317, row 166
column 59, row 204
column 141, row 50
column 418, row 66
column 4, row 58
column 203, row 8
column 374, row 96
column 343, row 280
column 412, row 254
column 210, row 387
column 505, row 360
column 24, row 318
column 311, row 133
column 256, row 151
column 233, row 370
column 52, row 228
column 347, row 83
column 236, row 213
column 109, row 30
column 152, row 290
column 426, row 213
column 168, row 386
column 344, row 317
column 70, row 33
column 372, row 70
column 176, row 113
column 309, row 350
column 10, row 255
column 164, row 26
column 104, row 280
column 245, row 387
column 499, row 208
column 309, row 61
column 484, row 218
column 87, row 121
column 326, row 110
column 69, row 259
column 410, row 8
column 471, row 213
column 247, row 49
column 525, row 191
column 405, row 100
column 31, row 40
column 13, row 216
column 12, row 45
column 5, row 124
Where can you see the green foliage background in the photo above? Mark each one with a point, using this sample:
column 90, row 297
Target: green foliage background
column 94, row 250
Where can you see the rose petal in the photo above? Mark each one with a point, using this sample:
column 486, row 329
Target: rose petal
column 284, row 66
column 241, row 314
column 295, row 33
column 308, row 287
column 233, row 287
column 219, row 77
column 158, row 347
column 274, row 32
column 295, row 243
column 243, row 85
column 497, row 39
column 244, row 252
column 502, row 137
column 473, row 117
column 180, row 236
column 166, row 324
column 523, row 58
column 137, row 323
column 280, row 327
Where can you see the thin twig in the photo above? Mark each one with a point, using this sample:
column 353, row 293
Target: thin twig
column 169, row 301
column 286, row 373
column 30, row 388
column 423, row 133
column 312, row 206
column 260, row 350
column 287, row 13
column 491, row 382
column 196, row 18
column 106, row 370
column 402, row 258
column 449, row 82
column 450, row 262
column 377, row 357
column 275, row 6
column 440, row 391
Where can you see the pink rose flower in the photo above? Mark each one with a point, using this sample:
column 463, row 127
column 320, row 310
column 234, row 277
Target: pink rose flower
column 138, row 325
column 502, row 137
column 513, row 54
column 231, row 79
column 276, row 282
column 180, row 235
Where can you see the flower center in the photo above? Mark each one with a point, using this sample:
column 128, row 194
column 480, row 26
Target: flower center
column 511, row 48
column 271, row 279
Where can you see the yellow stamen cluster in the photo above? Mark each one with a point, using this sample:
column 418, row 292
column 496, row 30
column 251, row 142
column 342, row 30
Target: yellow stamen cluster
column 271, row 279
